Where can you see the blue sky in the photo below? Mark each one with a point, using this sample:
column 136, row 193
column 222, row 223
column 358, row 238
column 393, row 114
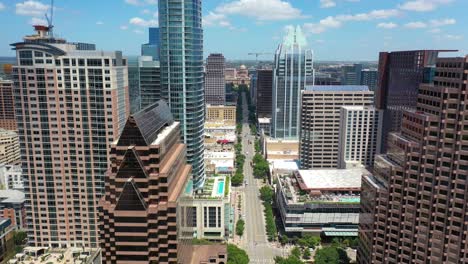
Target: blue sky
column 336, row 29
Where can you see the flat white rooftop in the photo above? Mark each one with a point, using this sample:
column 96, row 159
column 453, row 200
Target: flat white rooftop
column 264, row 120
column 289, row 165
column 332, row 178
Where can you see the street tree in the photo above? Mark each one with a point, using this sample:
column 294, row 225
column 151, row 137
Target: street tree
column 237, row 255
column 240, row 225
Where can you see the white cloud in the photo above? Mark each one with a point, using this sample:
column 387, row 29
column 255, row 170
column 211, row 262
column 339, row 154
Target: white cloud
column 389, row 25
column 99, row 23
column 327, row 3
column 138, row 31
column 262, row 10
column 141, row 2
column 137, row 21
column 215, row 19
column 37, row 21
column 146, row 11
column 338, row 21
column 124, row 27
column 442, row 22
column 435, row 30
column 423, row 5
column 415, row 25
column 31, row 8
column 2, row 6
column 453, row 37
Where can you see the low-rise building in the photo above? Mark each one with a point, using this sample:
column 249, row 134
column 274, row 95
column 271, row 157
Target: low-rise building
column 221, row 114
column 320, row 202
column 281, row 149
column 264, row 124
column 9, row 147
column 37, row 255
column 206, row 214
column 12, row 207
column 203, row 254
column 11, row 177
column 219, row 162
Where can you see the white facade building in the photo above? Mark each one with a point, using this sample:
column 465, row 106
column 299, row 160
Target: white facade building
column 360, row 133
column 11, row 178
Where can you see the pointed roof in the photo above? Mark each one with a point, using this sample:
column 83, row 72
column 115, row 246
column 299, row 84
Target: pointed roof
column 295, row 37
column 131, row 166
column 130, row 198
column 143, row 127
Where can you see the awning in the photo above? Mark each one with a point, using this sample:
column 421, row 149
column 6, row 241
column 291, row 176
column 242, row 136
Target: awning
column 342, row 234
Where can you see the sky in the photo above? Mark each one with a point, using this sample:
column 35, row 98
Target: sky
column 346, row 30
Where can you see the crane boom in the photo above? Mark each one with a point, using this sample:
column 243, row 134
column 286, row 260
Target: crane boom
column 50, row 24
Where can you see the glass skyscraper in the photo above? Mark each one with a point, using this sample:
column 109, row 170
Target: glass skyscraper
column 152, row 47
column 181, row 57
column 293, row 66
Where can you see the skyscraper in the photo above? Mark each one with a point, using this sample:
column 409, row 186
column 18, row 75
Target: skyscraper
column 215, row 90
column 152, row 48
column 400, row 74
column 369, row 78
column 144, row 82
column 138, row 213
column 7, row 107
column 182, row 74
column 293, row 65
column 416, row 204
column 70, row 106
column 351, row 74
column 264, row 93
column 320, row 122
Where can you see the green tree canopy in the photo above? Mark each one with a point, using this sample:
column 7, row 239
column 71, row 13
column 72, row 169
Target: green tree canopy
column 237, row 255
column 240, row 225
column 331, row 255
column 266, row 194
column 237, row 179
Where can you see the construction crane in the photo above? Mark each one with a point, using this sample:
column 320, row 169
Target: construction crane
column 50, row 24
column 257, row 54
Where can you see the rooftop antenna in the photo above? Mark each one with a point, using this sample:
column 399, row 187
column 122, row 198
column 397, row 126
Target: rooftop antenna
column 50, row 19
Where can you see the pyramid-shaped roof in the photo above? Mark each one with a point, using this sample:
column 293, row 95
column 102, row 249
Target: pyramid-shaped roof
column 130, row 198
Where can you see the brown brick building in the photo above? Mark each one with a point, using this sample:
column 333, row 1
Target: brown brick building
column 414, row 209
column 147, row 175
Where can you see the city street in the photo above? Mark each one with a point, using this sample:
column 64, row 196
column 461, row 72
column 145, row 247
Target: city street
column 255, row 239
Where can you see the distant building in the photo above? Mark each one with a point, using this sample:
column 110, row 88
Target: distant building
column 152, row 47
column 351, row 74
column 84, row 46
column 7, row 105
column 264, row 93
column 215, row 83
column 9, row 147
column 221, row 113
column 237, row 76
column 415, row 207
column 400, row 74
column 322, row 202
column 148, row 173
column 231, row 95
column 326, row 79
column 70, row 106
column 293, row 64
column 360, row 135
column 144, row 79
column 369, row 78
column 12, row 207
column 320, row 122
column 11, row 177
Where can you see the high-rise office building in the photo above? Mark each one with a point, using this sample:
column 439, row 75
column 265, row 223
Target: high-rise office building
column 148, row 173
column 70, row 106
column 351, row 74
column 152, row 48
column 293, row 65
column 369, row 78
column 144, row 82
column 400, row 74
column 264, row 93
column 415, row 206
column 215, row 90
column 360, row 135
column 253, row 87
column 320, row 122
column 182, row 74
column 7, row 106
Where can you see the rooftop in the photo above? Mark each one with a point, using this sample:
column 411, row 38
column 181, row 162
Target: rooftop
column 264, row 120
column 11, row 196
column 337, row 88
column 319, row 179
column 225, row 155
column 37, row 255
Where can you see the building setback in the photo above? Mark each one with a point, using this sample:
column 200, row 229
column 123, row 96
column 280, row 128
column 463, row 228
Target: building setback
column 264, row 93
column 182, row 74
column 70, row 106
column 416, row 204
column 320, row 122
column 7, row 106
column 215, row 91
column 400, row 74
column 293, row 65
column 148, row 173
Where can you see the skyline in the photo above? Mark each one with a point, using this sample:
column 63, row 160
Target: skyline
column 333, row 28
